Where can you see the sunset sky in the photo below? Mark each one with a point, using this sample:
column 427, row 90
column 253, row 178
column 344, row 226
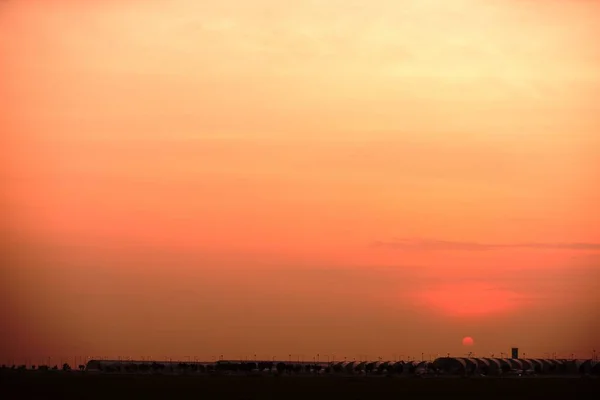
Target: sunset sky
column 353, row 178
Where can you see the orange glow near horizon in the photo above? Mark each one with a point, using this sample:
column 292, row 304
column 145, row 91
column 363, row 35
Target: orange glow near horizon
column 408, row 171
column 470, row 300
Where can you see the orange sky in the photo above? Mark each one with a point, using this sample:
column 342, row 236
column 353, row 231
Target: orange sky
column 184, row 178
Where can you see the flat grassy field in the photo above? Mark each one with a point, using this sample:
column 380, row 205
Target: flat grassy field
column 75, row 385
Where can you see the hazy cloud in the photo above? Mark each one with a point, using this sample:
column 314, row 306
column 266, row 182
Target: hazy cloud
column 412, row 244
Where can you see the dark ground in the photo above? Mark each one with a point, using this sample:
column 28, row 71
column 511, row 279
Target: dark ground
column 76, row 385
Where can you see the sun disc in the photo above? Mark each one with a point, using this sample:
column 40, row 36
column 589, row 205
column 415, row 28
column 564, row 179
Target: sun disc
column 468, row 341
